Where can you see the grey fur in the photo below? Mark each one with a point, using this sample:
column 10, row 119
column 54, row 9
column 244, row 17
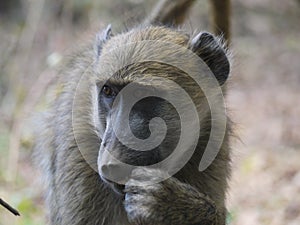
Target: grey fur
column 77, row 195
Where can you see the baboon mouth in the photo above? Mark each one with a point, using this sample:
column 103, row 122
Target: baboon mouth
column 118, row 188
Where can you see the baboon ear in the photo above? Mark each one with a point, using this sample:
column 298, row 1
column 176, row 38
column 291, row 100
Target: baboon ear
column 213, row 54
column 101, row 38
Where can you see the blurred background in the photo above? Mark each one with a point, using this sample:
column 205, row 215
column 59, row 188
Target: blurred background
column 263, row 98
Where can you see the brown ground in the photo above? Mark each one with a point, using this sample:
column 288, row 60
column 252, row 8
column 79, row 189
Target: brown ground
column 263, row 101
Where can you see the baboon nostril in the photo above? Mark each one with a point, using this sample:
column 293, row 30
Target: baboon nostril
column 104, row 170
column 115, row 173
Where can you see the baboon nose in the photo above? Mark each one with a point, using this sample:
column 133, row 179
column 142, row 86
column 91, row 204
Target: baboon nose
column 115, row 173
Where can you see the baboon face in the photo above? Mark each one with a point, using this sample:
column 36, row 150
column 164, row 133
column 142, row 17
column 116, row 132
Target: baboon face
column 141, row 114
column 152, row 120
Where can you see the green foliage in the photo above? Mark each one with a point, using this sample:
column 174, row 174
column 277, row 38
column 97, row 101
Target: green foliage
column 4, row 141
column 231, row 215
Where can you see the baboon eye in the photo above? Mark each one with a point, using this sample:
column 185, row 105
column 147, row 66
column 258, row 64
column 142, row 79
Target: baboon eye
column 108, row 91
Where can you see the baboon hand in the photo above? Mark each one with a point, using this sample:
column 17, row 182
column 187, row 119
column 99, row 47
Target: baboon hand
column 169, row 202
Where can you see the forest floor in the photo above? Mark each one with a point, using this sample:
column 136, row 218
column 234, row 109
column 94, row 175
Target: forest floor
column 264, row 102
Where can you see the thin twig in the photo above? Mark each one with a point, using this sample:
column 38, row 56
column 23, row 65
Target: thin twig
column 8, row 207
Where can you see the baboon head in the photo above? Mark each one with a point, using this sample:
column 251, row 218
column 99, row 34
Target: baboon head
column 152, row 86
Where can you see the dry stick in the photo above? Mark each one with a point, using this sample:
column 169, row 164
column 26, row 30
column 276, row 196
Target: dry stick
column 8, row 207
column 221, row 15
column 169, row 12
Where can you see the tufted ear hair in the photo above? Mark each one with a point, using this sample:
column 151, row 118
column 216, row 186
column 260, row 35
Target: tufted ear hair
column 101, row 38
column 209, row 49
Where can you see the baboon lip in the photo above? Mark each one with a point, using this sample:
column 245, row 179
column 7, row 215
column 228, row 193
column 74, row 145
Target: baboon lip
column 118, row 188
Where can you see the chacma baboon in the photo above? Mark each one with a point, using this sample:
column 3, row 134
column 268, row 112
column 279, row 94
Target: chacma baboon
column 129, row 102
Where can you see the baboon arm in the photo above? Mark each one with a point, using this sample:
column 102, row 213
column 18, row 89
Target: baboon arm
column 170, row 202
